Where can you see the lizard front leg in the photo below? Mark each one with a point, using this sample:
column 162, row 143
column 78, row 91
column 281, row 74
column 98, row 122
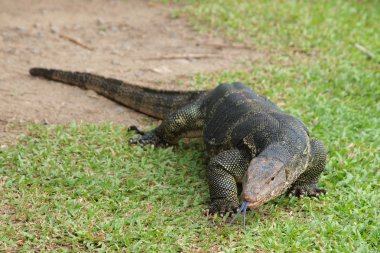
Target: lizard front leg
column 223, row 171
column 187, row 119
column 306, row 184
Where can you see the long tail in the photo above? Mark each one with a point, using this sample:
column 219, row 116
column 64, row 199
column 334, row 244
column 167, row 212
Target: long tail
column 152, row 102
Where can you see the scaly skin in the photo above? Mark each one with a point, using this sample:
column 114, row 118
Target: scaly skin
column 248, row 139
column 155, row 103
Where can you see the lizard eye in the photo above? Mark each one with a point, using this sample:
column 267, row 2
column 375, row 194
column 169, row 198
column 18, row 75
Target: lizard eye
column 269, row 180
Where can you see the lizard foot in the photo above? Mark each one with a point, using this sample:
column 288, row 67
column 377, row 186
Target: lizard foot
column 302, row 191
column 222, row 207
column 146, row 138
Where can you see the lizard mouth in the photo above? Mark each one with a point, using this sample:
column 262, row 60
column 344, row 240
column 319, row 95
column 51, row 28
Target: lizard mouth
column 252, row 202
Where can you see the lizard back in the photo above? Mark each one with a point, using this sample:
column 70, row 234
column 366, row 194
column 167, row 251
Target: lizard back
column 238, row 117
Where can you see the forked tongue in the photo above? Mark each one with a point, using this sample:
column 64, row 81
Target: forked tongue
column 243, row 208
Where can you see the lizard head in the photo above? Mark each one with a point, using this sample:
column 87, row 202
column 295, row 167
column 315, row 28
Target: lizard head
column 264, row 180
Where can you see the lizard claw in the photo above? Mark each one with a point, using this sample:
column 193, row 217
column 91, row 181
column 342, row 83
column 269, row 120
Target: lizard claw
column 243, row 208
column 135, row 129
column 146, row 138
column 311, row 192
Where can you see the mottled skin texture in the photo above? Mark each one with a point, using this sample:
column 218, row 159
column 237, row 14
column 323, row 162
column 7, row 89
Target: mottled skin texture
column 248, row 139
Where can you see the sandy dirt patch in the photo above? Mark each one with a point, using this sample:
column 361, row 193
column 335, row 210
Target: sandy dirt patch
column 136, row 41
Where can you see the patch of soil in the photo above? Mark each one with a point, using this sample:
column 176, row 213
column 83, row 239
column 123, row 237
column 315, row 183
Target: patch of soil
column 136, row 41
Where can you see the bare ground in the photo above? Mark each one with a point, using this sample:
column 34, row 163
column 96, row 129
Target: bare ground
column 133, row 40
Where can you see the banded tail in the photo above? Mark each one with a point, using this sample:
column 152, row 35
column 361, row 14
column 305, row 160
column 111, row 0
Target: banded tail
column 153, row 102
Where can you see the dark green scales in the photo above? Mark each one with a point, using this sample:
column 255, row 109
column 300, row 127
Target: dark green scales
column 248, row 139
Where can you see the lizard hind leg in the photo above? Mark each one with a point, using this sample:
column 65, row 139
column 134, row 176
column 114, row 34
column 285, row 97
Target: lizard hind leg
column 306, row 184
column 177, row 124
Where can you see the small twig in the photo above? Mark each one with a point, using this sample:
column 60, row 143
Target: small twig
column 75, row 41
column 183, row 56
column 365, row 50
column 221, row 45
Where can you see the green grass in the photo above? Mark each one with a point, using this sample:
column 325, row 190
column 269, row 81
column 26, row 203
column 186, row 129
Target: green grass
column 83, row 188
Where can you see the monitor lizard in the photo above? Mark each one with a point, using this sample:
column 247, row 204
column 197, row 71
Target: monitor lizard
column 248, row 139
